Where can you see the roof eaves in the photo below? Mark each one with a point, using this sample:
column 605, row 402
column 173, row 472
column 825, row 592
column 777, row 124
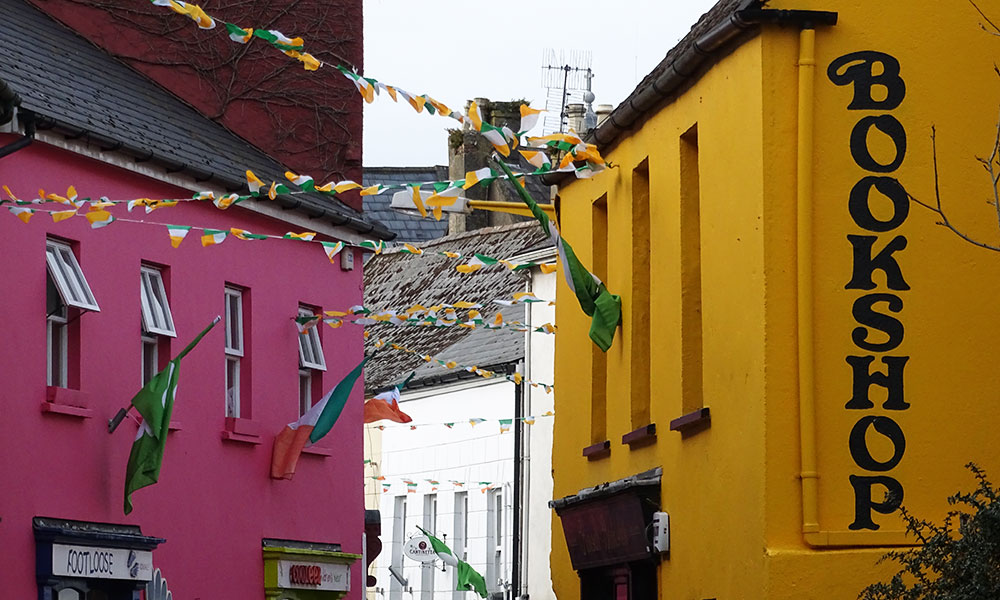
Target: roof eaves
column 308, row 206
column 693, row 55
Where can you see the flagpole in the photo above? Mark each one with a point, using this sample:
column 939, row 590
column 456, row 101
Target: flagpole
column 115, row 421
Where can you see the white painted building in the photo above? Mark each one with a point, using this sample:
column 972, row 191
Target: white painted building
column 474, row 518
column 459, row 482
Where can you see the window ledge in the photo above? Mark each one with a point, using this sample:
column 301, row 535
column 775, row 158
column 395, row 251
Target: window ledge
column 69, row 411
column 66, row 397
column 692, row 422
column 598, row 451
column 318, row 451
column 241, row 438
column 242, row 426
column 640, row 437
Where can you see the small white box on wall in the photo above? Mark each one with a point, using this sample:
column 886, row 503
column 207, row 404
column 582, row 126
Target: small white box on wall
column 661, row 532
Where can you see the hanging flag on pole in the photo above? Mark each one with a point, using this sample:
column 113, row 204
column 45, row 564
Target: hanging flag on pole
column 604, row 308
column 155, row 402
column 311, row 427
column 469, row 580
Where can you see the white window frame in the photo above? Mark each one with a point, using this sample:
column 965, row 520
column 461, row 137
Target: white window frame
column 234, row 304
column 233, row 399
column 68, row 276
column 57, row 334
column 156, row 317
column 305, row 391
column 310, row 346
column 234, row 349
column 494, row 539
column 150, row 345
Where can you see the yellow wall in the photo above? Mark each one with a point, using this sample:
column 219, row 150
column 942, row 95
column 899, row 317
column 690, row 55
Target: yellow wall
column 733, row 491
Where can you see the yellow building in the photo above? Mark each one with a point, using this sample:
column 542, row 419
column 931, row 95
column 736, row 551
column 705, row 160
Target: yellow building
column 798, row 337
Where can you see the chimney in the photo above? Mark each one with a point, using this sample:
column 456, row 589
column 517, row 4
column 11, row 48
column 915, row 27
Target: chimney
column 575, row 114
column 603, row 112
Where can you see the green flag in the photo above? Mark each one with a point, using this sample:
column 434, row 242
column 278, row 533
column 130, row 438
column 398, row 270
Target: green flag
column 335, row 403
column 604, row 308
column 155, row 402
column 469, row 580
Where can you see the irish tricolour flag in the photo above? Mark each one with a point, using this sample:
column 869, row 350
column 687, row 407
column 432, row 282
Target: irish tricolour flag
column 311, row 427
column 469, row 580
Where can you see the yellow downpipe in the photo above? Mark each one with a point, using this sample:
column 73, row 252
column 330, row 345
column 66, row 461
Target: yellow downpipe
column 804, row 238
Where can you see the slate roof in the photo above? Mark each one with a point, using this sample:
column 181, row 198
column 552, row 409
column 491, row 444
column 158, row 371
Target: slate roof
column 83, row 92
column 407, row 227
column 396, row 280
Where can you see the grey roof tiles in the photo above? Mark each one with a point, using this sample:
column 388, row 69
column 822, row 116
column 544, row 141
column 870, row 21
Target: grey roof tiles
column 78, row 89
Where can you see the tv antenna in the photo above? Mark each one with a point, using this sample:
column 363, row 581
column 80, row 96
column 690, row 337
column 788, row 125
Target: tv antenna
column 567, row 76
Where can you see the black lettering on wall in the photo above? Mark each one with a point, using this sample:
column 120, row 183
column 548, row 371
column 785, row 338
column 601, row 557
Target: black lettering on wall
column 865, row 264
column 858, row 68
column 891, row 380
column 858, row 443
column 861, row 212
column 863, row 504
column 888, row 125
column 865, row 314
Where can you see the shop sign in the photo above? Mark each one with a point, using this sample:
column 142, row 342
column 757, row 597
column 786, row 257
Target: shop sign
column 294, row 574
column 878, row 308
column 97, row 562
column 419, row 549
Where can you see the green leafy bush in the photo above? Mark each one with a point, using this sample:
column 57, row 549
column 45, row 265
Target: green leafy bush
column 957, row 560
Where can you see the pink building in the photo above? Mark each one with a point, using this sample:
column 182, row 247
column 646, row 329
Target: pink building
column 89, row 315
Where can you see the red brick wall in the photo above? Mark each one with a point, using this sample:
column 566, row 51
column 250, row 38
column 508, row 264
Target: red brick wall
column 309, row 121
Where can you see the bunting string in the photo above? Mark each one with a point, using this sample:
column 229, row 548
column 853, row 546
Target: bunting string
column 99, row 216
column 412, row 485
column 442, row 315
column 504, row 424
column 502, row 138
column 516, row 378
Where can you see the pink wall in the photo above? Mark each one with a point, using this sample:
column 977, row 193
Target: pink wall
column 215, row 500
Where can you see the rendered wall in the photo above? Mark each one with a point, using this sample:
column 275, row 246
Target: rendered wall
column 309, row 121
column 215, row 500
column 945, row 320
column 540, row 360
column 734, row 490
column 712, row 481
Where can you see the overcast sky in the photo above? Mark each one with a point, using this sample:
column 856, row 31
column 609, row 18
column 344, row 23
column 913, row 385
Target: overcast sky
column 454, row 51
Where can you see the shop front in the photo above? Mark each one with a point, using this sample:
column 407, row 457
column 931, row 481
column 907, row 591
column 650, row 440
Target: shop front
column 79, row 560
column 295, row 570
column 608, row 531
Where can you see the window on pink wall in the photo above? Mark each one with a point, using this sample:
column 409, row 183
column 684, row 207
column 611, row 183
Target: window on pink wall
column 237, row 352
column 67, row 296
column 157, row 320
column 311, row 361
